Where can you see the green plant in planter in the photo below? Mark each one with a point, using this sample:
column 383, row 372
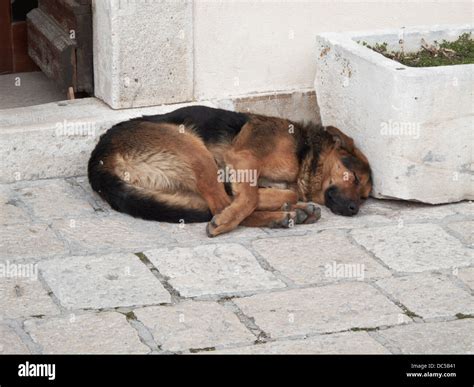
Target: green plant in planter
column 460, row 51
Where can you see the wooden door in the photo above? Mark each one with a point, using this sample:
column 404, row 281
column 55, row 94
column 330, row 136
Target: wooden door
column 60, row 42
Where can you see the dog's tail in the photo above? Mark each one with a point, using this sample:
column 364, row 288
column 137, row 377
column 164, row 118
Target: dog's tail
column 139, row 203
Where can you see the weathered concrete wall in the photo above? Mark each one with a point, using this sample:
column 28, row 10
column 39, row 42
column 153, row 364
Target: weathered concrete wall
column 150, row 52
column 245, row 47
column 143, row 52
column 297, row 106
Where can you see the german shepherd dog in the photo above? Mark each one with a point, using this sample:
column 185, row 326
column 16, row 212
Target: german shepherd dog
column 170, row 167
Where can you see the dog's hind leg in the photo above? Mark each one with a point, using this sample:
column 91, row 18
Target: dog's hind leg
column 245, row 195
column 205, row 171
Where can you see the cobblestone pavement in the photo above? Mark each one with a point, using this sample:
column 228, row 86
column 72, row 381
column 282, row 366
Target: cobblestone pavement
column 77, row 277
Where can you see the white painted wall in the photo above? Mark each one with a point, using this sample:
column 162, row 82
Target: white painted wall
column 243, row 47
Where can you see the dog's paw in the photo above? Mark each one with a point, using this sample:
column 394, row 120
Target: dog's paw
column 220, row 224
column 211, row 227
column 307, row 213
column 287, row 221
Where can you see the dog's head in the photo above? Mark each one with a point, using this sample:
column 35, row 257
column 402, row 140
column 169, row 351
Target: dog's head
column 345, row 179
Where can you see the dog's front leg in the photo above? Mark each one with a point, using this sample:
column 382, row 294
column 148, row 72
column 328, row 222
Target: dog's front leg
column 244, row 169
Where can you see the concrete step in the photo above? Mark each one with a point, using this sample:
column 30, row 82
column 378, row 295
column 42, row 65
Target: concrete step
column 56, row 139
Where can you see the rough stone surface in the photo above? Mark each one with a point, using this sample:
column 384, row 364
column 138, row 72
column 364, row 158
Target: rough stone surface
column 111, row 233
column 337, row 343
column 37, row 241
column 191, row 233
column 117, row 280
column 401, row 212
column 212, row 269
column 429, row 295
column 85, row 259
column 68, row 202
column 297, row 106
column 36, row 89
column 366, row 217
column 465, row 230
column 452, row 337
column 11, row 209
column 314, row 258
column 22, row 297
column 414, row 248
column 144, row 64
column 56, row 139
column 10, row 343
column 193, row 325
column 467, row 276
column 323, row 309
column 102, row 333
column 408, row 140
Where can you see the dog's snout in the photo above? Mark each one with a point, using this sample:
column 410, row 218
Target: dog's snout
column 352, row 208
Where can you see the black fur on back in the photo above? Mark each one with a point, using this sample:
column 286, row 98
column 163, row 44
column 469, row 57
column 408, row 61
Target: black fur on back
column 212, row 125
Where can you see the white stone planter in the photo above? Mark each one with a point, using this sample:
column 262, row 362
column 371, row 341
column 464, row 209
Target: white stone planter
column 414, row 124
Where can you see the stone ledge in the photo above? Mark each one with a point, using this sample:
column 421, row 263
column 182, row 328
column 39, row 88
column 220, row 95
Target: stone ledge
column 56, row 139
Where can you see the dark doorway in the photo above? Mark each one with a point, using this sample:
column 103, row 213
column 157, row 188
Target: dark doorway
column 14, row 56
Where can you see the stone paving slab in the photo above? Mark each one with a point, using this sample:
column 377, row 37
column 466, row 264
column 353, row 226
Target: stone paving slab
column 195, row 233
column 117, row 280
column 365, row 218
column 101, row 333
column 467, row 276
column 414, row 248
column 464, row 208
column 193, row 325
column 319, row 257
column 429, row 295
column 225, row 268
column 23, row 297
column 337, row 343
column 11, row 208
column 111, row 233
column 453, row 337
column 10, row 343
column 415, row 259
column 465, row 230
column 90, row 195
column 328, row 308
column 400, row 211
column 20, row 241
column 54, row 199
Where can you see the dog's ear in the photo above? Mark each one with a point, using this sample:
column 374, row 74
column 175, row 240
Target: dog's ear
column 341, row 140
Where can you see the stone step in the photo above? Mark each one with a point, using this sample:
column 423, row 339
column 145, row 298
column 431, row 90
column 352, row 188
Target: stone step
column 56, row 139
